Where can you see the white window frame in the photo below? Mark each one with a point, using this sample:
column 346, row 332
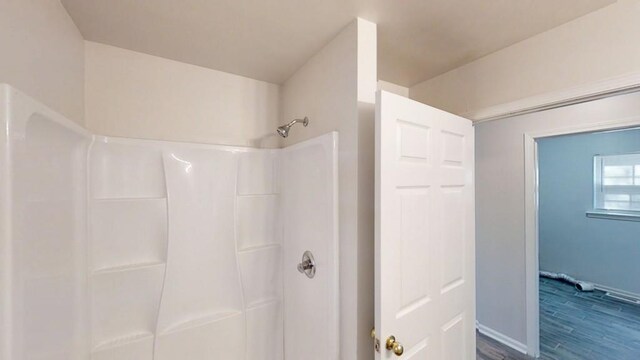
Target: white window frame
column 601, row 190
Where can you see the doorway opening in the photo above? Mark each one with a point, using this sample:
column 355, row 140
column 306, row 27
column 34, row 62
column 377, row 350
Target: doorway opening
column 582, row 221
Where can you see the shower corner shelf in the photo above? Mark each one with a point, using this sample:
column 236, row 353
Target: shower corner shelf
column 129, row 198
column 122, row 341
column 128, row 267
column 259, row 247
column 262, row 303
column 199, row 321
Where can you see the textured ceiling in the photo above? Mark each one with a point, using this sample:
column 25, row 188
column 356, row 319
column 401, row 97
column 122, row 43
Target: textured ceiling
column 269, row 39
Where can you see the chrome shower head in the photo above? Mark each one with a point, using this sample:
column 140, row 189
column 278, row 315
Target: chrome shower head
column 284, row 129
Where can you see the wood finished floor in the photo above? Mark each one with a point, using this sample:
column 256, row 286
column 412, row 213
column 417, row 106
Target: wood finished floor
column 586, row 325
column 577, row 326
column 489, row 349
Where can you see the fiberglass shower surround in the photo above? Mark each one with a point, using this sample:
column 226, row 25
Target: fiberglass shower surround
column 136, row 249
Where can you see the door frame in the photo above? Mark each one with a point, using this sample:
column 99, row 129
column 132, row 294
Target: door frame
column 532, row 266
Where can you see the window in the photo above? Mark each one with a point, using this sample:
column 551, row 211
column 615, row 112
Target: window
column 617, row 182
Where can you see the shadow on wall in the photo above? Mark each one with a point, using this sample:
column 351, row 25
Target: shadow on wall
column 269, row 141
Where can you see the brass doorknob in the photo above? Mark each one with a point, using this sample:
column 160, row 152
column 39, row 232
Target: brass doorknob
column 392, row 344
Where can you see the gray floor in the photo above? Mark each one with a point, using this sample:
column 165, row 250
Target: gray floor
column 586, row 325
column 489, row 349
column 577, row 326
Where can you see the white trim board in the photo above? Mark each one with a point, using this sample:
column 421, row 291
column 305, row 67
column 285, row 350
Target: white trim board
column 612, row 215
column 614, row 291
column 502, row 338
column 574, row 95
column 532, row 262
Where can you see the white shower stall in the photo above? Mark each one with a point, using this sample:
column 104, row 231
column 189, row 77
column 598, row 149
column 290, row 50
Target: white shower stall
column 126, row 249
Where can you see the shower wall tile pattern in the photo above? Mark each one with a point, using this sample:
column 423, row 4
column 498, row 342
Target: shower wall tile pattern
column 185, row 252
column 127, row 248
column 259, row 237
column 258, row 221
column 121, row 220
column 182, row 245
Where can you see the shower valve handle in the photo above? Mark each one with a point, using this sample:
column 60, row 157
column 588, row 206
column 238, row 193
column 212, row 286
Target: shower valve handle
column 305, row 265
column 308, row 265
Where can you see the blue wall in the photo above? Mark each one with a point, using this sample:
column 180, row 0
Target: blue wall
column 606, row 252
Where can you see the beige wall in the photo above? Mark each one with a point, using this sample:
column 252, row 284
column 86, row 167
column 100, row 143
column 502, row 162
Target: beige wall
column 600, row 45
column 336, row 90
column 500, row 208
column 131, row 94
column 365, row 251
column 393, row 88
column 43, row 54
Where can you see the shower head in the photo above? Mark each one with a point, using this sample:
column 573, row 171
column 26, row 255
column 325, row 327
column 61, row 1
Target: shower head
column 284, row 129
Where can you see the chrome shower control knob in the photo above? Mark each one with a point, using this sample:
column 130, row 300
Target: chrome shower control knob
column 308, row 265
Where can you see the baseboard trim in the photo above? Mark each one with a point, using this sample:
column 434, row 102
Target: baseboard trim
column 502, row 338
column 615, row 291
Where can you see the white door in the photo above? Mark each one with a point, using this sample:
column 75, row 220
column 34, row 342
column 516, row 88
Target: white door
column 425, row 268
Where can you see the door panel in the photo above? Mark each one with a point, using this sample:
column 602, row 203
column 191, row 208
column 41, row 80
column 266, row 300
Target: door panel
column 425, row 270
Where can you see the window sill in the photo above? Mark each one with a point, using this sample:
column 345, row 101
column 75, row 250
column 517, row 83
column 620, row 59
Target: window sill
column 614, row 215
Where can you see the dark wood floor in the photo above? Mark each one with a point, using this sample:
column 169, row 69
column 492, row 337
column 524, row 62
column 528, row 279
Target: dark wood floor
column 577, row 326
column 586, row 325
column 489, row 349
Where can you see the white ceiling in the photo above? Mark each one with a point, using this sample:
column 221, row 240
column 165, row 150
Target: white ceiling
column 270, row 39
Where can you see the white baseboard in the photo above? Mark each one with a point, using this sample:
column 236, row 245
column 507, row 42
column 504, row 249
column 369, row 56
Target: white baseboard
column 502, row 338
column 617, row 291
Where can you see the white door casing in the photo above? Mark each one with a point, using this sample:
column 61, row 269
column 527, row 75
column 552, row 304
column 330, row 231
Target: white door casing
column 425, row 231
